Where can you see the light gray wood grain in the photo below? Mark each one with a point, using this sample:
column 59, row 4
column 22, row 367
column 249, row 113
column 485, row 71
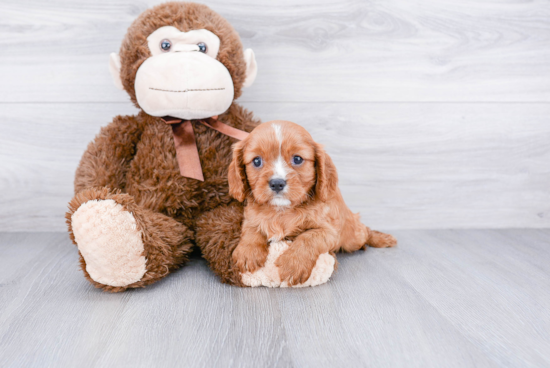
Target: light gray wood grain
column 307, row 50
column 401, row 165
column 487, row 284
column 436, row 113
column 440, row 299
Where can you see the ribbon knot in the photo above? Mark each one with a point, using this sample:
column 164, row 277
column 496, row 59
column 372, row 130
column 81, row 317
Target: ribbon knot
column 187, row 152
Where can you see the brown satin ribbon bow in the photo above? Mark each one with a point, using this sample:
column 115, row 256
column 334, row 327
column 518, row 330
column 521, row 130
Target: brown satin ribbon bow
column 186, row 145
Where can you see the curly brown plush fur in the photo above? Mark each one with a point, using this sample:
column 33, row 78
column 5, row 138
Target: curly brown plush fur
column 218, row 242
column 132, row 161
column 166, row 241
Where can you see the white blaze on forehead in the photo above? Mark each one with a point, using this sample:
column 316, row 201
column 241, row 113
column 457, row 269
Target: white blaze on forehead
column 279, row 134
column 279, row 168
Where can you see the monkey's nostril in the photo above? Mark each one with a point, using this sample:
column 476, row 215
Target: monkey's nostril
column 277, row 185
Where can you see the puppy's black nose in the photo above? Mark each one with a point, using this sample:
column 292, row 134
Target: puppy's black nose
column 277, row 185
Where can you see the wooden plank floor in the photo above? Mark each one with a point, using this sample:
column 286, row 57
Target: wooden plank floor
column 443, row 298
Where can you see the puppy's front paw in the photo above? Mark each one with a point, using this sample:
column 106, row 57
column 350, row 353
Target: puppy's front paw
column 249, row 258
column 293, row 268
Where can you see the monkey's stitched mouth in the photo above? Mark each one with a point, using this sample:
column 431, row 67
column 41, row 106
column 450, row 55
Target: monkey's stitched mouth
column 187, row 90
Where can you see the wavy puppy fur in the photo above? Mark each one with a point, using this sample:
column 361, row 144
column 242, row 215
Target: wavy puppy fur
column 306, row 208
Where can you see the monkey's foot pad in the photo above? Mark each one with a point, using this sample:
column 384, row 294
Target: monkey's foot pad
column 268, row 275
column 109, row 241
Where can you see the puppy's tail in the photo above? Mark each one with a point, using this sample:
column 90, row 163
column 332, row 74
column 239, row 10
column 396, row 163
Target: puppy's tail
column 377, row 239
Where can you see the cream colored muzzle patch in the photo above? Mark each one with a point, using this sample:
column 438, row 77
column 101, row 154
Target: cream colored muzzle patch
column 110, row 243
column 185, row 85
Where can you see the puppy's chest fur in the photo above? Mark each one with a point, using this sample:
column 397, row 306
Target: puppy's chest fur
column 287, row 223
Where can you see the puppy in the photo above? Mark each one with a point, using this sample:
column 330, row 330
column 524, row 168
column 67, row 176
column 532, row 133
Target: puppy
column 291, row 190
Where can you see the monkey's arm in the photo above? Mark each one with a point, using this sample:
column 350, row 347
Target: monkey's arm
column 217, row 233
column 107, row 158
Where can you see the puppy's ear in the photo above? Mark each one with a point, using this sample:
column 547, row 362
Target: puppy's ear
column 238, row 184
column 327, row 176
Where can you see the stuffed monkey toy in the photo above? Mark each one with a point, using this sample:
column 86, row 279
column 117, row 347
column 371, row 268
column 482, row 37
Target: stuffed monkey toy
column 152, row 186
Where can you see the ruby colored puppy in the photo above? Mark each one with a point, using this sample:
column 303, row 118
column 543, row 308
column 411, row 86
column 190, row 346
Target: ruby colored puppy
column 291, row 190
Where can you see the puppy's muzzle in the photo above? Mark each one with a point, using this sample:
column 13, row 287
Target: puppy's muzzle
column 277, row 185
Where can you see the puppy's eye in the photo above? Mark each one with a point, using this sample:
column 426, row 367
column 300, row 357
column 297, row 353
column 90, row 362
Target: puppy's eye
column 202, row 47
column 257, row 161
column 165, row 45
column 297, row 160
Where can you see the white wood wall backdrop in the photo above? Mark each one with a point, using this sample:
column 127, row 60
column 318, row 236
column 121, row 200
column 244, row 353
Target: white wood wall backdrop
column 437, row 113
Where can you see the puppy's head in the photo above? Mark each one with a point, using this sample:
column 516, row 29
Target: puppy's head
column 279, row 164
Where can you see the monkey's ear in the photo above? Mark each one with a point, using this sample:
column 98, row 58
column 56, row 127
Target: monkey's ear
column 114, row 68
column 251, row 67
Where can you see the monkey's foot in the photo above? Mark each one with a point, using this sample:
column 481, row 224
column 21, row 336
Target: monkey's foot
column 123, row 245
column 110, row 243
column 268, row 275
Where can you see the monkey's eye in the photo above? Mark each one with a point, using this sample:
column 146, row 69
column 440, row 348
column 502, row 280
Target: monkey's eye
column 165, row 45
column 202, row 47
column 297, row 160
column 257, row 161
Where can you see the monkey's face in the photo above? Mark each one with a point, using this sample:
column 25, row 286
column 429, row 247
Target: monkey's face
column 186, row 75
column 183, row 79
